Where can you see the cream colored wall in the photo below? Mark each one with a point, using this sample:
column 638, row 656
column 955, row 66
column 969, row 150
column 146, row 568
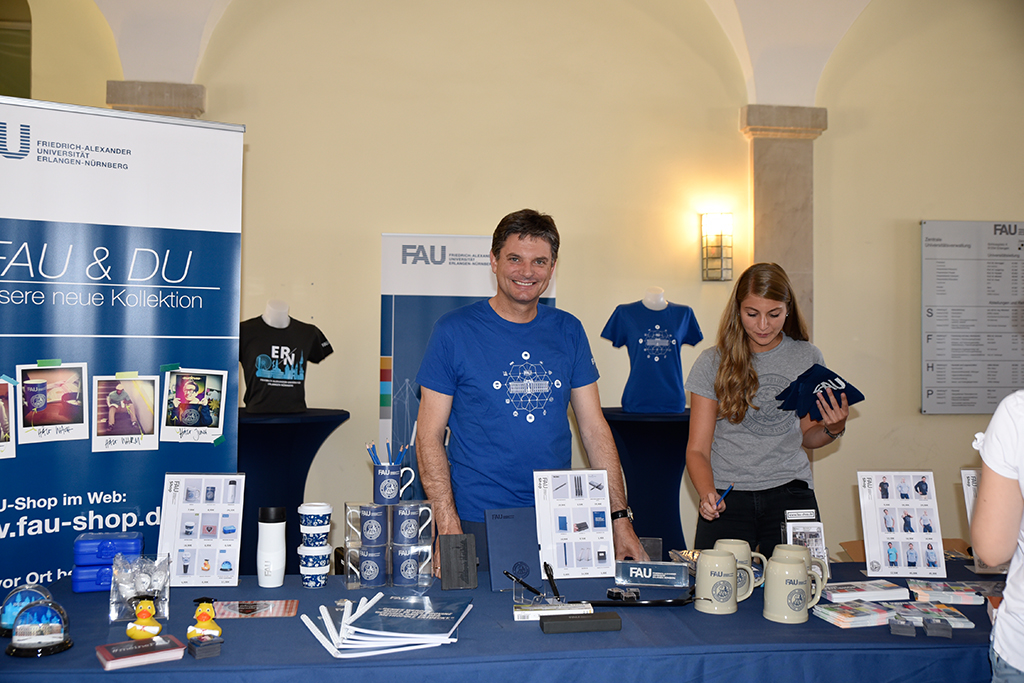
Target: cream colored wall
column 73, row 52
column 924, row 102
column 618, row 118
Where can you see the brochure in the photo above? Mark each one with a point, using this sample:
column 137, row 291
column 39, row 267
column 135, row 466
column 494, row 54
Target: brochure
column 902, row 536
column 879, row 589
column 574, row 528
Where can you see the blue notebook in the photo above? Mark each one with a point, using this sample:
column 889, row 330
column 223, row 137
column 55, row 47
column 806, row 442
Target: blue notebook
column 512, row 546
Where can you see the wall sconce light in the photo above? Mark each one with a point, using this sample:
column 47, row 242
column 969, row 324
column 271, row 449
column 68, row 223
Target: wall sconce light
column 716, row 246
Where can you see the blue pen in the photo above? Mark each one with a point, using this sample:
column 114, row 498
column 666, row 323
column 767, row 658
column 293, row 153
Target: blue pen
column 722, row 497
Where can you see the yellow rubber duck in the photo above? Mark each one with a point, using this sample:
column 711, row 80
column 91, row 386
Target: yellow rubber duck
column 205, row 625
column 145, row 625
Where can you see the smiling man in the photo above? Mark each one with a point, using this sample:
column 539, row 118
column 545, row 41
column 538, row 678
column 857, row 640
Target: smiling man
column 501, row 373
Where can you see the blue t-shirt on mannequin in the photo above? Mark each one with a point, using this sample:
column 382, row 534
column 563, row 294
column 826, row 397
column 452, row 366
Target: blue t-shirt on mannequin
column 514, row 382
column 654, row 331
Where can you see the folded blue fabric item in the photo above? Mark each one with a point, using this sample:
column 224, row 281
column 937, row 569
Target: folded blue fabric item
column 802, row 394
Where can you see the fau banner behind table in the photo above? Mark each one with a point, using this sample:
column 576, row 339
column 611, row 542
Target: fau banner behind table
column 120, row 247
column 422, row 278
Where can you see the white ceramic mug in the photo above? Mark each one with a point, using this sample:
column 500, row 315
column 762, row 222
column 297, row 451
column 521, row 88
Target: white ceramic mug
column 741, row 549
column 715, row 590
column 788, row 583
column 802, row 553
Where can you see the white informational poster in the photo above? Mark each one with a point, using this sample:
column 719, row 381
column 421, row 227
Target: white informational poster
column 972, row 314
column 574, row 528
column 202, row 527
column 902, row 536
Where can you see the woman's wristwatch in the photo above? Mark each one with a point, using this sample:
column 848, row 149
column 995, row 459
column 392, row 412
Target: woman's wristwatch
column 834, row 436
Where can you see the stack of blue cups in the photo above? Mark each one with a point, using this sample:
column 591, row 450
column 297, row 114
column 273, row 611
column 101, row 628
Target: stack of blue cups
column 314, row 553
column 412, row 524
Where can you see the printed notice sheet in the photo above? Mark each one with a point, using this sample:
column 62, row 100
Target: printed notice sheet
column 901, row 524
column 574, row 528
column 201, row 527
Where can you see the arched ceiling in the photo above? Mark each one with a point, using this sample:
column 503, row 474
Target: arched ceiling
column 782, row 45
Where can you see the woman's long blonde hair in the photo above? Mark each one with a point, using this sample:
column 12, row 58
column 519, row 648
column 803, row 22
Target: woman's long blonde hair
column 736, row 383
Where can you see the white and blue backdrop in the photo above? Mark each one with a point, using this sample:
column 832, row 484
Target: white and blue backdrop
column 120, row 248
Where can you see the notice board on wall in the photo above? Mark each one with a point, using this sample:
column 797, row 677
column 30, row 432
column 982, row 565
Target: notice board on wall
column 972, row 314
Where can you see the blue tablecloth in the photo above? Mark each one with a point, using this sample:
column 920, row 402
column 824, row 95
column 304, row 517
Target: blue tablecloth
column 655, row 644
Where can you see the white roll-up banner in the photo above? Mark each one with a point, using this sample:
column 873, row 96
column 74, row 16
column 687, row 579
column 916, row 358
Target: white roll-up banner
column 120, row 262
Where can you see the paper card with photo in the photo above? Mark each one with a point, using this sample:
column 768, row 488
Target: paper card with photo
column 53, row 402
column 900, row 517
column 127, row 418
column 7, row 440
column 192, row 407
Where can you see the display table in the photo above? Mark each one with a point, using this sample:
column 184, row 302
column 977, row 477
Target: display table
column 655, row 644
column 275, row 452
column 652, row 449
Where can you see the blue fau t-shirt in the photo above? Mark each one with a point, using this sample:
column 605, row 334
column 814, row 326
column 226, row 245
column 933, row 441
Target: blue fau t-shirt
column 510, row 385
column 655, row 383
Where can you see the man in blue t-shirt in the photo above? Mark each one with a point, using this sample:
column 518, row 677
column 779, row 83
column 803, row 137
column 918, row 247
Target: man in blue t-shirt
column 501, row 374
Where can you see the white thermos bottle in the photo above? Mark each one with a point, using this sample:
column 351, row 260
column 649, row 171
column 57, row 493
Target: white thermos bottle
column 270, row 548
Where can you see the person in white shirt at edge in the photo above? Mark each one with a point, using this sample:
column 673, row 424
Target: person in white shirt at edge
column 997, row 530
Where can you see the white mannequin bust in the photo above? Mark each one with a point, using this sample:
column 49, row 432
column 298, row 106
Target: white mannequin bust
column 276, row 314
column 654, row 299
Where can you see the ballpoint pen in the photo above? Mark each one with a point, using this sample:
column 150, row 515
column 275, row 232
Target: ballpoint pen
column 722, row 497
column 551, row 579
column 522, row 583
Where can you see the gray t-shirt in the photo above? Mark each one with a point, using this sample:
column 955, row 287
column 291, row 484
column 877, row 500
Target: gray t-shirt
column 764, row 450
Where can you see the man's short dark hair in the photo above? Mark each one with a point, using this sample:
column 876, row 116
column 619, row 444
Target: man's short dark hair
column 526, row 223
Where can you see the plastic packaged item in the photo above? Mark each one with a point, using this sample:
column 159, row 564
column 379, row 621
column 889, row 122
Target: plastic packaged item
column 100, row 548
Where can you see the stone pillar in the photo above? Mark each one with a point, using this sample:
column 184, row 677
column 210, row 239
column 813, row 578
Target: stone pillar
column 782, row 174
column 185, row 100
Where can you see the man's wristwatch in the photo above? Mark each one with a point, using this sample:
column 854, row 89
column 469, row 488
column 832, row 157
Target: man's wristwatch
column 619, row 514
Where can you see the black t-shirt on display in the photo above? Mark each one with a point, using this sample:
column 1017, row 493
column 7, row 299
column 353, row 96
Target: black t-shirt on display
column 274, row 363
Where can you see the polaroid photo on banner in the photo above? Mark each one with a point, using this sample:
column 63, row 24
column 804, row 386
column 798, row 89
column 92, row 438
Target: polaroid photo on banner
column 192, row 408
column 53, row 402
column 7, row 440
column 900, row 517
column 127, row 418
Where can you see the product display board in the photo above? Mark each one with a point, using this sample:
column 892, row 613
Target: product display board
column 900, row 517
column 120, row 253
column 202, row 527
column 972, row 314
column 422, row 278
column 574, row 526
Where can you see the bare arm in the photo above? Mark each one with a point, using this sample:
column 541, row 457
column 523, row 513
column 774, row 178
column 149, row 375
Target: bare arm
column 832, row 418
column 997, row 517
column 600, row 446
column 703, row 417
column 435, row 474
